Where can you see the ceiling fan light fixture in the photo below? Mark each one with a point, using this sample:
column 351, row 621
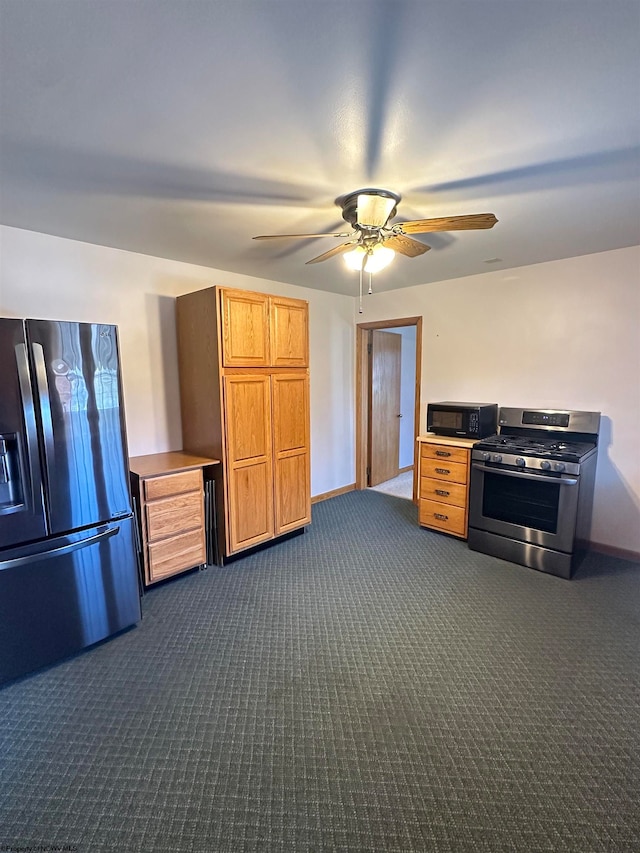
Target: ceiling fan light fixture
column 376, row 259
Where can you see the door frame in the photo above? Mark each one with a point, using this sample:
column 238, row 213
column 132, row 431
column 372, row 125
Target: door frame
column 362, row 393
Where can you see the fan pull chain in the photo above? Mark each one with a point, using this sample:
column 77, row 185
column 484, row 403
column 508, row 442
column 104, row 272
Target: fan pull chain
column 360, row 308
column 370, row 288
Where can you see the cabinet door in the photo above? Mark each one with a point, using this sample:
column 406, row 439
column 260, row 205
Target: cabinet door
column 245, row 328
column 249, row 461
column 289, row 332
column 291, row 451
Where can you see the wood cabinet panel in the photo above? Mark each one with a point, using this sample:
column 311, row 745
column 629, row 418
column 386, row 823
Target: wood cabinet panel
column 245, row 328
column 444, row 453
column 451, row 519
column 456, row 472
column 170, row 556
column 290, row 411
column 250, row 505
column 172, row 484
column 292, row 474
column 289, row 332
column 249, row 460
column 169, row 516
column 248, row 411
column 448, row 493
column 292, row 492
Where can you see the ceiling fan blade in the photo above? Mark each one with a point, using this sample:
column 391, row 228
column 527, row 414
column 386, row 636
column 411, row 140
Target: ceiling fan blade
column 449, row 223
column 374, row 210
column 406, row 246
column 296, row 236
column 337, row 250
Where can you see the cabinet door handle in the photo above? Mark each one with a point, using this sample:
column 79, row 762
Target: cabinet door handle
column 440, row 516
column 443, row 471
column 442, row 453
column 442, row 492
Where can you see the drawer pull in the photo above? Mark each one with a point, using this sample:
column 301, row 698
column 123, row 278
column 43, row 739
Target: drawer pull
column 443, row 471
column 442, row 453
column 442, row 492
column 440, row 516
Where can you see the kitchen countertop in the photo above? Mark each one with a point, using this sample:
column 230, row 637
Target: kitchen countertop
column 165, row 463
column 451, row 441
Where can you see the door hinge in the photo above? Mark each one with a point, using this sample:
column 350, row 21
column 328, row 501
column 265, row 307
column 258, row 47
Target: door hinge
column 369, row 349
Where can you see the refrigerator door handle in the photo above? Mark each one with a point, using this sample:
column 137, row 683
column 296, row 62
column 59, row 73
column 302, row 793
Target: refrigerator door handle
column 31, row 431
column 45, row 403
column 103, row 533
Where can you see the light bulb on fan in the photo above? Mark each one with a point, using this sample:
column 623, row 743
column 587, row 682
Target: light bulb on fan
column 377, row 258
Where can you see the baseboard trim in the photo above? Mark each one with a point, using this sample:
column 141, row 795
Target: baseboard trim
column 612, row 551
column 333, row 494
column 406, row 468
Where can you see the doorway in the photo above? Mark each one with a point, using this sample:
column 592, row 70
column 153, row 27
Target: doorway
column 378, row 405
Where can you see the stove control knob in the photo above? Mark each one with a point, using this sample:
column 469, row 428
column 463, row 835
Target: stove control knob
column 496, row 457
column 520, row 462
column 559, row 466
column 486, row 456
column 545, row 465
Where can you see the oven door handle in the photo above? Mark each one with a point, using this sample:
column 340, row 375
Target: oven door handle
column 565, row 481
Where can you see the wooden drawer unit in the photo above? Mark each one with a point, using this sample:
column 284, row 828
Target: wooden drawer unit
column 444, row 484
column 170, row 512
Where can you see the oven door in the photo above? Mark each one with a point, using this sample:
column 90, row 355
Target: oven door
column 534, row 508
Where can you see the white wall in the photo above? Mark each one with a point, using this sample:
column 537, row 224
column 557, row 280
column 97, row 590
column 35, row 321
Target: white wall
column 53, row 278
column 564, row 334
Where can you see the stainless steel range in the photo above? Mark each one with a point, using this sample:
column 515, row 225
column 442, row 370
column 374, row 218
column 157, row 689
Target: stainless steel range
column 531, row 490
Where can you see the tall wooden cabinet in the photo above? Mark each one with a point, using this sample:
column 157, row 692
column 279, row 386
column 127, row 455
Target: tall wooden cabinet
column 244, row 384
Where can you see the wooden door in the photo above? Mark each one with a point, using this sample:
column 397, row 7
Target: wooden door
column 245, row 328
column 292, row 478
column 249, row 470
column 384, row 415
column 289, row 332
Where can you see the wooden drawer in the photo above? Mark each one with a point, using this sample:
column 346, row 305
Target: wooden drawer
column 438, row 469
column 174, row 515
column 450, row 519
column 444, row 453
column 176, row 554
column 172, row 484
column 446, row 493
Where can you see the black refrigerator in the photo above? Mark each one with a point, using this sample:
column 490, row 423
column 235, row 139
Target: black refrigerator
column 68, row 558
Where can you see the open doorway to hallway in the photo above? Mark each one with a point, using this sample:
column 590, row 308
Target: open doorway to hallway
column 389, row 357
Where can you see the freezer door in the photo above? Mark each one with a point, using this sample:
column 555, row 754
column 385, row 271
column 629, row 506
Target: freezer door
column 79, row 394
column 66, row 594
column 22, row 517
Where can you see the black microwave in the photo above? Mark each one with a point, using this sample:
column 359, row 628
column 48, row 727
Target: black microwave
column 467, row 420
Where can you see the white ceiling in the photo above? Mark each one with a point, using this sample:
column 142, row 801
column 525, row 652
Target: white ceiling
column 182, row 128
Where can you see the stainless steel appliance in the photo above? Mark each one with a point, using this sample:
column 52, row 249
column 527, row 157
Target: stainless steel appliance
column 68, row 563
column 531, row 488
column 468, row 420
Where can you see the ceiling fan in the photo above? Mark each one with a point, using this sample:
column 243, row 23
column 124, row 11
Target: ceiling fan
column 368, row 211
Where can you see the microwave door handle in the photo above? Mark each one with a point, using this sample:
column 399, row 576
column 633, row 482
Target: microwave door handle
column 31, row 431
column 565, row 481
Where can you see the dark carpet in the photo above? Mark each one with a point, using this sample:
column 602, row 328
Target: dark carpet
column 368, row 686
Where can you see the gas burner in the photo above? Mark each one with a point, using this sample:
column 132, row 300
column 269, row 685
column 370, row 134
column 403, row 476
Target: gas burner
column 538, row 447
